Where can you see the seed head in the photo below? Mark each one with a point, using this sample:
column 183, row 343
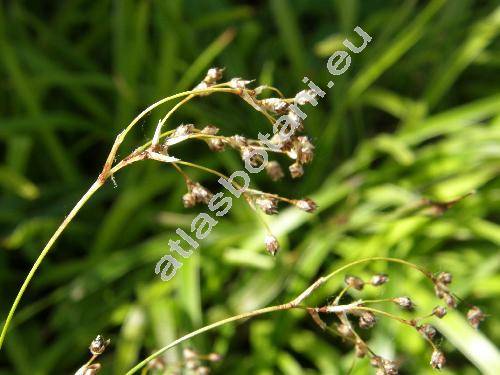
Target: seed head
column 274, row 170
column 183, row 129
column 268, row 205
column 475, row 316
column 248, row 154
column 189, row 354
column 200, row 193
column 272, row 244
column 439, row 311
column 213, row 75
column 305, row 150
column 367, row 320
column 304, row 97
column 296, row 170
column 275, row 105
column 360, row 349
column 450, row 300
column 428, row 331
column 389, row 367
column 215, row 144
column 438, row 360
column 404, row 302
column 445, row 278
column 354, row 282
column 296, row 120
column 379, row 279
column 238, row 83
column 210, row 130
column 306, row 204
column 188, row 200
column 239, row 141
column 98, row 345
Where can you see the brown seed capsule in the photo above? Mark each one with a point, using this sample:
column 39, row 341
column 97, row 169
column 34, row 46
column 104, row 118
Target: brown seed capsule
column 438, row 360
column 98, row 345
column 268, row 205
column 389, row 367
column 360, row 349
column 188, row 200
column 274, row 170
column 450, row 300
column 376, row 361
column 210, row 130
column 200, row 193
column 354, row 282
column 367, row 320
column 428, row 331
column 272, row 244
column 183, row 129
column 201, row 86
column 213, row 75
column 379, row 279
column 296, row 170
column 284, row 144
column 475, row 316
column 439, row 311
column 189, row 353
column 215, row 144
column 295, row 120
column 239, row 141
column 306, row 204
column 304, row 97
column 192, row 364
column 306, row 150
column 404, row 302
column 445, row 278
column 238, row 83
column 438, row 290
column 248, row 154
column 275, row 105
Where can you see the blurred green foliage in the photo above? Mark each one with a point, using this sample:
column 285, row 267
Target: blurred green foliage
column 417, row 115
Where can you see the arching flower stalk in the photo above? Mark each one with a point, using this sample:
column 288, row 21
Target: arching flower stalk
column 294, row 146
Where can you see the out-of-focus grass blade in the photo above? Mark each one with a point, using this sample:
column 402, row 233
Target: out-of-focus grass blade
column 18, row 184
column 200, row 65
column 403, row 42
column 216, row 19
column 129, row 342
column 479, row 38
column 285, row 17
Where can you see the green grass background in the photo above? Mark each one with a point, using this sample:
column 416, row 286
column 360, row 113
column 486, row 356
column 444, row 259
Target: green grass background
column 416, row 115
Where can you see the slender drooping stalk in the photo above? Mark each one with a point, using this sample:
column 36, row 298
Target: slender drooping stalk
column 103, row 177
column 296, row 304
column 154, row 151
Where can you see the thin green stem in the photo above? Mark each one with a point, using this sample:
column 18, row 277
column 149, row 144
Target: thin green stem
column 205, row 329
column 287, row 306
column 95, row 186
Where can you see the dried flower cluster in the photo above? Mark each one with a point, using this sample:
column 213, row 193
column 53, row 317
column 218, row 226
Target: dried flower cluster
column 367, row 317
column 253, row 152
column 96, row 348
column 192, row 363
